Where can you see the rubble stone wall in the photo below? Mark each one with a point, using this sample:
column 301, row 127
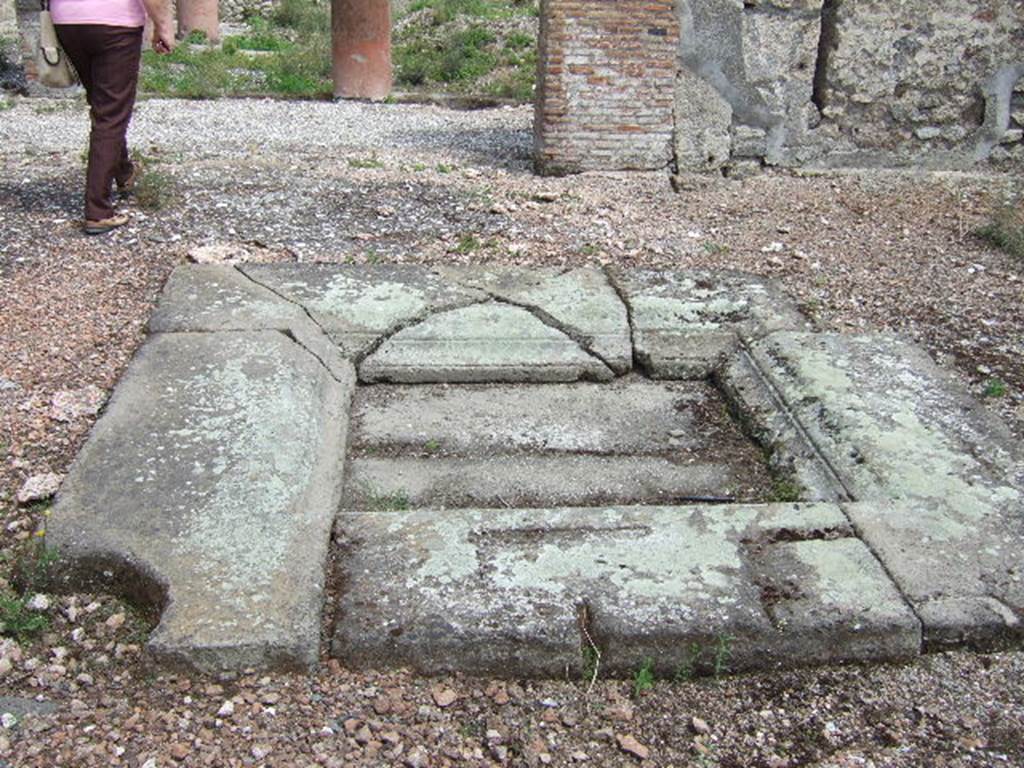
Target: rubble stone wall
column 792, row 83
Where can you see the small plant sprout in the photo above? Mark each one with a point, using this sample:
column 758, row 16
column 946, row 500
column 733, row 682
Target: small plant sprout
column 723, row 654
column 468, row 243
column 994, row 388
column 643, row 680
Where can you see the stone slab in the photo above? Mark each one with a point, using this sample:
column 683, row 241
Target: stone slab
column 481, row 343
column 580, row 302
column 685, row 324
column 506, row 591
column 538, row 481
column 359, row 306
column 938, row 481
column 207, row 491
column 626, row 416
column 215, row 297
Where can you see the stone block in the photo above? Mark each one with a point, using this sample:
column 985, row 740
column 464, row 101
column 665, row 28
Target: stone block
column 206, row 492
column 525, row 592
column 685, row 324
column 482, row 343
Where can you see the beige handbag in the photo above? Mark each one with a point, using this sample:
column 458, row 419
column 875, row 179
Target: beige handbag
column 52, row 67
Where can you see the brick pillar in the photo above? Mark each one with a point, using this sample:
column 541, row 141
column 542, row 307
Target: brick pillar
column 361, row 33
column 201, row 15
column 605, row 85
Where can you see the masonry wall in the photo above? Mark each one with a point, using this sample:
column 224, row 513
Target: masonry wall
column 790, row 83
column 605, row 84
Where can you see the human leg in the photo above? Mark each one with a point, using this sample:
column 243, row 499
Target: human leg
column 107, row 59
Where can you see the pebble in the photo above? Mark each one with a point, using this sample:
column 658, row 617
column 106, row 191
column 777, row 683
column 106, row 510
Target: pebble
column 39, row 488
column 72, row 404
column 444, row 697
column 39, row 603
column 628, row 743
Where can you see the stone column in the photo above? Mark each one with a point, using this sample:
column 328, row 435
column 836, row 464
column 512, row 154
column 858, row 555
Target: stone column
column 201, row 15
column 361, row 32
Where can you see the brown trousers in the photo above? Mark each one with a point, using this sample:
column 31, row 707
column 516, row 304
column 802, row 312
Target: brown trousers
column 107, row 62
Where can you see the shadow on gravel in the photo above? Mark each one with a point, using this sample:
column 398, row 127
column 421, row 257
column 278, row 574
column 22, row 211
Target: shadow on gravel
column 507, row 148
column 61, row 194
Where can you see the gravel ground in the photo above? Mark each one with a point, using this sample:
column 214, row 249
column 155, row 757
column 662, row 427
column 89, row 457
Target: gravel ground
column 362, row 183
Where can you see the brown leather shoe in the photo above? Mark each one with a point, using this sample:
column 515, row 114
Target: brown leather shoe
column 102, row 226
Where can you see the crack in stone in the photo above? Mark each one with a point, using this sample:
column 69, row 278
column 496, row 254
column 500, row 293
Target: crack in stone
column 620, row 291
column 281, row 296
column 289, row 333
column 490, row 298
column 888, row 573
column 828, row 42
column 582, row 340
column 410, row 322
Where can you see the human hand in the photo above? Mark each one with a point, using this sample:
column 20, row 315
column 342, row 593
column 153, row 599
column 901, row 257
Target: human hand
column 163, row 38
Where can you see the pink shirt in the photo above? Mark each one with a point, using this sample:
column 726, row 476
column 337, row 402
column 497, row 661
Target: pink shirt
column 112, row 13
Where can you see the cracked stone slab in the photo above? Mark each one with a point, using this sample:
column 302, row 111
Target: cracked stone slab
column 580, row 302
column 505, row 591
column 216, row 297
column 687, row 323
column 207, row 491
column 359, row 306
column 938, row 482
column 481, row 343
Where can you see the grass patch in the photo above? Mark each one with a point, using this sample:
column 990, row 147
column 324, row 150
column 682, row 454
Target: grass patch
column 396, row 501
column 154, row 189
column 475, row 47
column 17, row 620
column 286, row 55
column 1006, row 229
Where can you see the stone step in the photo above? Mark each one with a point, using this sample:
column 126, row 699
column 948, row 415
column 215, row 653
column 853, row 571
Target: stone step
column 630, row 441
column 688, row 589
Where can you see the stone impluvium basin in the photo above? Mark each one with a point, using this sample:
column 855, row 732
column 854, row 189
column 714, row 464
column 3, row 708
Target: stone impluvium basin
column 524, row 470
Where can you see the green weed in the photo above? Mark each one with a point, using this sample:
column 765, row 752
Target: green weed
column 396, row 501
column 995, row 388
column 365, row 162
column 784, row 490
column 17, row 620
column 154, row 189
column 643, row 679
column 468, row 243
column 722, row 655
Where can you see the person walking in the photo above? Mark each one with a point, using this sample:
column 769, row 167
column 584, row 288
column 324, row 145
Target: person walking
column 103, row 41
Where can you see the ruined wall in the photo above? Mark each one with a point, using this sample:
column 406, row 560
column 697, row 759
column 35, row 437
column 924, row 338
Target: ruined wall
column 792, row 83
column 605, row 84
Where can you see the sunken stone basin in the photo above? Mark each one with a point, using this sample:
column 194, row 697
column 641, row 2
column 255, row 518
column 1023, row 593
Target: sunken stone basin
column 524, row 472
